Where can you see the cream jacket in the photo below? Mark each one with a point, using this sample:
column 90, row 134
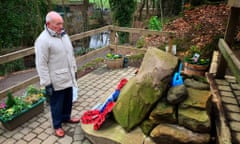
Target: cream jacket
column 55, row 61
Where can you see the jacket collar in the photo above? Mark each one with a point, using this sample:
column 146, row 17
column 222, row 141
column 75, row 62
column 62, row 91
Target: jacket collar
column 53, row 33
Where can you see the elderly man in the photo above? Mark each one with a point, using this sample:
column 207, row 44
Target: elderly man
column 56, row 67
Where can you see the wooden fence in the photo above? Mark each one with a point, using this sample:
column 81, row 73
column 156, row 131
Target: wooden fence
column 232, row 61
column 112, row 29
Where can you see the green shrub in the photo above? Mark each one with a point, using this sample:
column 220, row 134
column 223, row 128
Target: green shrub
column 154, row 24
column 21, row 22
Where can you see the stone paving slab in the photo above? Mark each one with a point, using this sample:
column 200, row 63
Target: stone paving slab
column 229, row 100
column 229, row 90
column 92, row 88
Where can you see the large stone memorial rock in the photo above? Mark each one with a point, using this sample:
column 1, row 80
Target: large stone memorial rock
column 140, row 94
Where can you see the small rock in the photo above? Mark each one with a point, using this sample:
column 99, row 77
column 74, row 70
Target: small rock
column 177, row 94
column 196, row 84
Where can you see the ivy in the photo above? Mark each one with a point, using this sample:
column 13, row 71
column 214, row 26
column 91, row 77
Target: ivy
column 11, row 66
column 21, row 21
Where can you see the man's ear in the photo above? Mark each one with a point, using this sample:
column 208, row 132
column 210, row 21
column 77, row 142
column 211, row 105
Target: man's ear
column 47, row 23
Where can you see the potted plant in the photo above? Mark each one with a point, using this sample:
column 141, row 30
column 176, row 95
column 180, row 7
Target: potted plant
column 19, row 109
column 195, row 63
column 114, row 61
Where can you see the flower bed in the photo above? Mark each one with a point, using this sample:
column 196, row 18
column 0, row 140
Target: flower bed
column 19, row 109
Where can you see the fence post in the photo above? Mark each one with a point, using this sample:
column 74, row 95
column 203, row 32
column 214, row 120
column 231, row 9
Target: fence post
column 112, row 39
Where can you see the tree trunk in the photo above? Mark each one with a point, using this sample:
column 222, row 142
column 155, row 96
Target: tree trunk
column 141, row 10
column 147, row 9
column 85, row 22
column 158, row 8
column 101, row 19
column 65, row 14
column 153, row 6
column 49, row 2
column 161, row 10
column 85, row 15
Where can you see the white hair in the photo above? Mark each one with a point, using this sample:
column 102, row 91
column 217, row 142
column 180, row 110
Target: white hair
column 48, row 18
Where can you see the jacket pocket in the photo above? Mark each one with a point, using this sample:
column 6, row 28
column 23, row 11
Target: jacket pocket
column 62, row 76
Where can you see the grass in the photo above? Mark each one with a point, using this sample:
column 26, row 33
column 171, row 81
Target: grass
column 97, row 2
column 105, row 3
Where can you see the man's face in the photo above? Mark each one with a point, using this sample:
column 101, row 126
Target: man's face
column 56, row 24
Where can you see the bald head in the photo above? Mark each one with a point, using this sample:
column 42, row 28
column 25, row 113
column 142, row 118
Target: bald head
column 52, row 15
column 54, row 21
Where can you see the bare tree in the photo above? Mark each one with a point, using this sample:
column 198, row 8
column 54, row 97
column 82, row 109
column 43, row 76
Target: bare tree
column 85, row 21
column 85, row 14
column 161, row 10
column 49, row 2
column 140, row 10
column 65, row 14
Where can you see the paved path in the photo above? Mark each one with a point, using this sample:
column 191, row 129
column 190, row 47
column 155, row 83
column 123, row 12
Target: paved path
column 92, row 88
column 230, row 95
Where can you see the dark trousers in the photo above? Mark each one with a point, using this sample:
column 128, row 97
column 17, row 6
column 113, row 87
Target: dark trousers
column 61, row 106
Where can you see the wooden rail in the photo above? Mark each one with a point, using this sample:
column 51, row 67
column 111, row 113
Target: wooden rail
column 19, row 86
column 112, row 29
column 222, row 129
column 16, row 55
column 234, row 3
column 89, row 33
column 141, row 31
column 92, row 53
column 233, row 62
column 29, row 51
column 126, row 49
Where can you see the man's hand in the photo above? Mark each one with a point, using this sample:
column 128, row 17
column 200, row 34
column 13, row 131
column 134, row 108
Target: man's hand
column 49, row 90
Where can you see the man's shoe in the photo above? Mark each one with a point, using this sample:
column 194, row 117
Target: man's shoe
column 59, row 132
column 73, row 120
